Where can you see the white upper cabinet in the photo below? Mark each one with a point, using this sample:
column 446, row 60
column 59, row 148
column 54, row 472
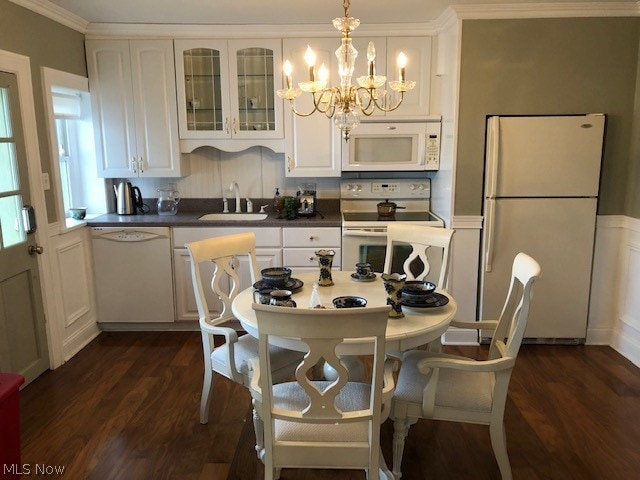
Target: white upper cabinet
column 133, row 93
column 418, row 69
column 226, row 93
column 418, row 51
column 312, row 144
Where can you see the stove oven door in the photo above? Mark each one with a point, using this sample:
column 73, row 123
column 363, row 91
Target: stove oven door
column 370, row 245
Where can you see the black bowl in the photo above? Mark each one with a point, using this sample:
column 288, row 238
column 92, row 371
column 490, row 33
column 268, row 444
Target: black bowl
column 349, row 302
column 417, row 290
column 276, row 276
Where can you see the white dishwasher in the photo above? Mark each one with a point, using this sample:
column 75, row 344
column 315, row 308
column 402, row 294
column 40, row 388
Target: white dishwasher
column 133, row 274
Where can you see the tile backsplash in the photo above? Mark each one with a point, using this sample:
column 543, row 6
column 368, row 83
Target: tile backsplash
column 257, row 170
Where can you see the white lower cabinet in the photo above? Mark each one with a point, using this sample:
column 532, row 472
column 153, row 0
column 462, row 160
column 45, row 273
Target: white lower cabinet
column 300, row 245
column 268, row 254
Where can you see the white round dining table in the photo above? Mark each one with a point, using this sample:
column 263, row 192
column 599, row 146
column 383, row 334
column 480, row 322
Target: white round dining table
column 419, row 326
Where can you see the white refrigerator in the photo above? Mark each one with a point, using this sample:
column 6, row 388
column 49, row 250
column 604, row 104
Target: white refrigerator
column 541, row 189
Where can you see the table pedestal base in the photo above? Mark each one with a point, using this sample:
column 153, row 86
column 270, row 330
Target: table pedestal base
column 352, row 363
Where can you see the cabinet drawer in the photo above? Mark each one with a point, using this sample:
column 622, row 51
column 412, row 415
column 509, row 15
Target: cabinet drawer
column 325, row 237
column 265, row 237
column 305, row 257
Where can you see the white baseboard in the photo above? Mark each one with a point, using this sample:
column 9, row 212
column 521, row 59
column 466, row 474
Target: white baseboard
column 456, row 336
column 80, row 339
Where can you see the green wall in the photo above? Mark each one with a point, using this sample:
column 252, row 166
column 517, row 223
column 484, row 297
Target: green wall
column 550, row 66
column 47, row 44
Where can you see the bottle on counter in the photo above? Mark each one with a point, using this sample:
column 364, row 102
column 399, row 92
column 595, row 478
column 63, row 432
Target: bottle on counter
column 278, row 202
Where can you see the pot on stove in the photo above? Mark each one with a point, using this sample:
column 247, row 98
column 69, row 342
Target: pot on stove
column 387, row 208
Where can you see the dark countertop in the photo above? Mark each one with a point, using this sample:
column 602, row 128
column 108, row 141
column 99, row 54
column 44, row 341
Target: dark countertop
column 188, row 217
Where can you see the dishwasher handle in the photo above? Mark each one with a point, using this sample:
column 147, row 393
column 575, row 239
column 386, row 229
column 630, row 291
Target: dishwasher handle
column 128, row 236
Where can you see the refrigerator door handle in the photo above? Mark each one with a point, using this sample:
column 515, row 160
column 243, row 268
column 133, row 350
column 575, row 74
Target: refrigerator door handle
column 489, row 221
column 493, row 141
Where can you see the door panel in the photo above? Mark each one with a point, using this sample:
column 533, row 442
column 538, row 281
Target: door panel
column 23, row 343
column 559, row 234
column 549, row 156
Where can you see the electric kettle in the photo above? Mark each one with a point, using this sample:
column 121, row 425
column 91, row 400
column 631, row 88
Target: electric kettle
column 128, row 199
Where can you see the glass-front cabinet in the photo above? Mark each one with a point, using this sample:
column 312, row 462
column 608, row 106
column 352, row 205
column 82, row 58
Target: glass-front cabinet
column 226, row 92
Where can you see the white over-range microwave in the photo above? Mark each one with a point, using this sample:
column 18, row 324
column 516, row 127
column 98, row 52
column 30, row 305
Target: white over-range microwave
column 392, row 146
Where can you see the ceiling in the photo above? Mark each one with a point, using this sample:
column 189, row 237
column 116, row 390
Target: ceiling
column 273, row 12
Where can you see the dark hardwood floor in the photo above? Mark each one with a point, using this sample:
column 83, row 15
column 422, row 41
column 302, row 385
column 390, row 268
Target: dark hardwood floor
column 126, row 407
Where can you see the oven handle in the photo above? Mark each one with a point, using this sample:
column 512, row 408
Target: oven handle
column 364, row 233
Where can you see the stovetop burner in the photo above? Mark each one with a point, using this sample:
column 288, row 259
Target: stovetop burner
column 398, row 217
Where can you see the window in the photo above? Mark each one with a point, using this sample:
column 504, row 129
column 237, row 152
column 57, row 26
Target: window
column 72, row 147
column 11, row 231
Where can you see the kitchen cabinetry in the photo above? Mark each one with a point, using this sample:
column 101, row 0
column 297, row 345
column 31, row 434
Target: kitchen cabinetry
column 226, row 93
column 300, row 245
column 268, row 254
column 312, row 144
column 133, row 94
column 418, row 69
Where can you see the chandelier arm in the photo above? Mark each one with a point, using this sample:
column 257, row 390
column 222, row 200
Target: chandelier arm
column 389, row 109
column 293, row 109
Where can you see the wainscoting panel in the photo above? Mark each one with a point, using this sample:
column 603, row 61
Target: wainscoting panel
column 75, row 291
column 614, row 311
column 463, row 277
column 75, row 321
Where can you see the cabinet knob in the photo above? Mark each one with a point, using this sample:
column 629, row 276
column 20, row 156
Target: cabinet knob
column 312, row 238
column 226, row 125
column 311, row 259
column 134, row 165
column 141, row 165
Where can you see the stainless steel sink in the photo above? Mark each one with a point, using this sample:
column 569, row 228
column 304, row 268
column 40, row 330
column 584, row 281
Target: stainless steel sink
column 233, row 216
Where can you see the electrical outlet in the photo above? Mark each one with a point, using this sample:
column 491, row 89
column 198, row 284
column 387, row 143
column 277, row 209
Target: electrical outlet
column 46, row 185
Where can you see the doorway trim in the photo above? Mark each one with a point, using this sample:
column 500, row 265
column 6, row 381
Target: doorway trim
column 20, row 65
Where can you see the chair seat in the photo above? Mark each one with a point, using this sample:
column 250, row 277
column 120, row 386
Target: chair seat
column 354, row 396
column 456, row 389
column 246, row 348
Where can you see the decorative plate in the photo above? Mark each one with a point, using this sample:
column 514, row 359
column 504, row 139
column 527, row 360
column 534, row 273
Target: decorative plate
column 293, row 284
column 363, row 278
column 433, row 300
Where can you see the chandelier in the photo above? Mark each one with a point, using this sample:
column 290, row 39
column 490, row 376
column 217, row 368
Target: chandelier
column 345, row 103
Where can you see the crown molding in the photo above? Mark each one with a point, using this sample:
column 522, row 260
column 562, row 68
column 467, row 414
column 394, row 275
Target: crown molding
column 55, row 13
column 132, row 30
column 547, row 10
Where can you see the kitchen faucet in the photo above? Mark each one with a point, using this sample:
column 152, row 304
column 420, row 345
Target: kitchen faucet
column 234, row 186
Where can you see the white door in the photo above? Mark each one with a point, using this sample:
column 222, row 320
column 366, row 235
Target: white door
column 23, row 343
column 544, row 156
column 559, row 234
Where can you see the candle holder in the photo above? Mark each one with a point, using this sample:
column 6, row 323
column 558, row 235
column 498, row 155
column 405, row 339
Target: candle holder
column 325, row 260
column 393, row 285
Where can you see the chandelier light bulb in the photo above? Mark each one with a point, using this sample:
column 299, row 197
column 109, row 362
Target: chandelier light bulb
column 310, row 57
column 323, row 73
column 371, row 52
column 402, row 63
column 287, row 68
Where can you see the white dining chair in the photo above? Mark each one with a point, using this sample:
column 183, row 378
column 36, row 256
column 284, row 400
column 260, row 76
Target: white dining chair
column 322, row 424
column 459, row 389
column 423, row 239
column 230, row 358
